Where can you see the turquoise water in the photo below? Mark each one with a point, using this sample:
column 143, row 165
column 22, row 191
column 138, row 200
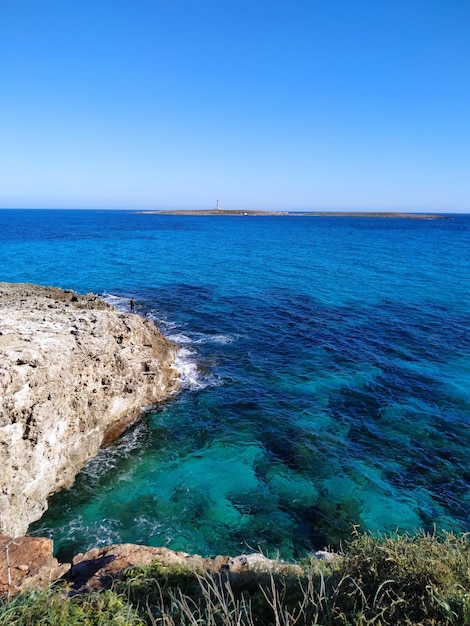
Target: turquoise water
column 325, row 376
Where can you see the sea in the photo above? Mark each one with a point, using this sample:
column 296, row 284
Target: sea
column 324, row 377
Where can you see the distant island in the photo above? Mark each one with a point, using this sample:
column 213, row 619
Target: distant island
column 385, row 214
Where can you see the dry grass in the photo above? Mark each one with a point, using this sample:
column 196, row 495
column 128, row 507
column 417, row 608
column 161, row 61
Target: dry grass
column 390, row 580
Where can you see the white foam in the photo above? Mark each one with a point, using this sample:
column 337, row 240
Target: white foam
column 186, row 366
column 222, row 339
column 180, row 339
column 200, row 338
column 166, row 326
column 108, row 458
column 186, row 362
column 119, row 302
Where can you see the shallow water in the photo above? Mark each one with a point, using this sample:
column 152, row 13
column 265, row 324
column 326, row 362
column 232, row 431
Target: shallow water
column 325, row 369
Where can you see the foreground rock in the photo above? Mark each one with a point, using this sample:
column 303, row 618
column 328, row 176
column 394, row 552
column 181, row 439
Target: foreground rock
column 98, row 568
column 74, row 373
column 28, row 562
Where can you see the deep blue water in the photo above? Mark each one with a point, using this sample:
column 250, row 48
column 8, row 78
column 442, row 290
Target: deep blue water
column 325, row 376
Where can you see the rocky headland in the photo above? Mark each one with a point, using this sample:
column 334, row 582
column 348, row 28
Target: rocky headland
column 74, row 373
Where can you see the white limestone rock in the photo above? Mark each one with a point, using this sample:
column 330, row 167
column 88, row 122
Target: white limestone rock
column 74, row 373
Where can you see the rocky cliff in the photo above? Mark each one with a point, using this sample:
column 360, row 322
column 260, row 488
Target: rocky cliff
column 74, row 373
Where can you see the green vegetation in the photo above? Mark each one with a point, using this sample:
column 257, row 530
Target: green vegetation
column 389, row 580
column 53, row 607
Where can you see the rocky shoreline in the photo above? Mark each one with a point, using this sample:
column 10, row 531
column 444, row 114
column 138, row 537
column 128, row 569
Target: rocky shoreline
column 28, row 562
column 74, row 373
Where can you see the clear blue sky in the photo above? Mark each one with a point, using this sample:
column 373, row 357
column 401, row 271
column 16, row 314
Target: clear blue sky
column 269, row 104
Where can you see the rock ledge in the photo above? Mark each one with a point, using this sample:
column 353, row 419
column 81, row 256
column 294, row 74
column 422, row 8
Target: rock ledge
column 28, row 562
column 74, row 373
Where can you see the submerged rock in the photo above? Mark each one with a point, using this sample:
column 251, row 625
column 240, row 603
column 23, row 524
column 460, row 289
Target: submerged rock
column 74, row 373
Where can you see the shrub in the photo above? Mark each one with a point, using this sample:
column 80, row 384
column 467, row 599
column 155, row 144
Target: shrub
column 53, row 607
column 396, row 580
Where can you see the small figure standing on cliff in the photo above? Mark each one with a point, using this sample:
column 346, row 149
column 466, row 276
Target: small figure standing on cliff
column 132, row 305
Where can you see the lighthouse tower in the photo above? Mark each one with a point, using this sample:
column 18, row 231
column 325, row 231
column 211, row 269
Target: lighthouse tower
column 218, row 207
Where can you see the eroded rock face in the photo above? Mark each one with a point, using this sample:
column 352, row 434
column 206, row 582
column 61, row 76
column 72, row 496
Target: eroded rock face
column 74, row 373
